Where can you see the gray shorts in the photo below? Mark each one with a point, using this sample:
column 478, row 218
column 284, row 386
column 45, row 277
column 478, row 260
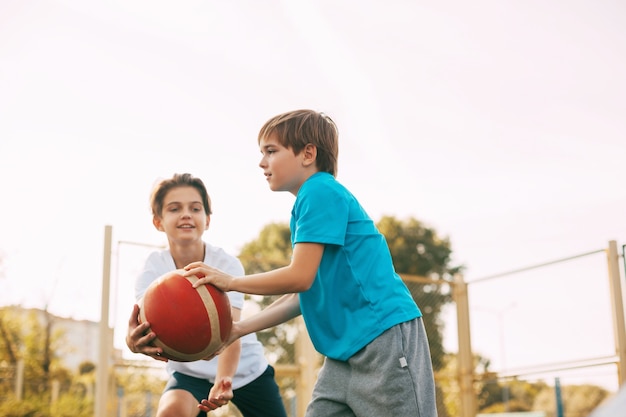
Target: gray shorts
column 391, row 376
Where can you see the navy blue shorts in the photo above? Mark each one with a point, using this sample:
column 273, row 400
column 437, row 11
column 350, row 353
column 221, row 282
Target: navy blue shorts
column 259, row 398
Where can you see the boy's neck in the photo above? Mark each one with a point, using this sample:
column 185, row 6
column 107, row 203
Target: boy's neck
column 308, row 175
column 183, row 255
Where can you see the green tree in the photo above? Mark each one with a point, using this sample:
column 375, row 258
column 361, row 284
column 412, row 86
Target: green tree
column 271, row 250
column 86, row 368
column 40, row 345
column 30, row 336
column 11, row 329
column 419, row 250
column 11, row 337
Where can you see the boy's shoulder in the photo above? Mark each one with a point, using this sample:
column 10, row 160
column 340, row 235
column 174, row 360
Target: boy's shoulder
column 160, row 255
column 215, row 250
column 215, row 255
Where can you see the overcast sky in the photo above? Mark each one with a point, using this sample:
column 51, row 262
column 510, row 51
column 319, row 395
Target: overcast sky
column 500, row 124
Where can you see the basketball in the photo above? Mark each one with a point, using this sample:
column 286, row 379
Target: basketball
column 190, row 323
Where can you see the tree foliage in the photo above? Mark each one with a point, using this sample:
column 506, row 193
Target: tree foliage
column 419, row 250
column 10, row 337
column 40, row 346
column 271, row 250
column 33, row 340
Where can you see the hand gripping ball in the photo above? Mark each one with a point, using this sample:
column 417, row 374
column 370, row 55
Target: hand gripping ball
column 190, row 323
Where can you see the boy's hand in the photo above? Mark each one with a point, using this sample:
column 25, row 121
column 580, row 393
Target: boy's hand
column 208, row 275
column 220, row 394
column 139, row 338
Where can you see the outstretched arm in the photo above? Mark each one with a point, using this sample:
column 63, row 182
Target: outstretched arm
column 298, row 276
column 284, row 309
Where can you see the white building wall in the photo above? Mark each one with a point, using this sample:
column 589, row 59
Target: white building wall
column 79, row 341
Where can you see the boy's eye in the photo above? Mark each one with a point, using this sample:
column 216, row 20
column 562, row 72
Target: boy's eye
column 268, row 151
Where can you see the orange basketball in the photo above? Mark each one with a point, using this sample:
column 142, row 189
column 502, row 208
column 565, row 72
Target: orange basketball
column 190, row 323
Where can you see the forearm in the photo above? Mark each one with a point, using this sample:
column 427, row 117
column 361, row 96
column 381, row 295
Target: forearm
column 284, row 309
column 283, row 280
column 297, row 277
column 228, row 361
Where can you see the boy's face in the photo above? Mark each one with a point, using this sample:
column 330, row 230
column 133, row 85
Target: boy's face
column 284, row 171
column 183, row 217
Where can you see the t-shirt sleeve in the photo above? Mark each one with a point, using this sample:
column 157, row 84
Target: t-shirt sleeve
column 321, row 216
column 152, row 269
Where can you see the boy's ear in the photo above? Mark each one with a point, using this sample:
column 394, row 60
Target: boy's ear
column 208, row 220
column 156, row 221
column 309, row 154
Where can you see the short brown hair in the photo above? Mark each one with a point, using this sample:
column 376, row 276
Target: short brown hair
column 298, row 128
column 178, row 180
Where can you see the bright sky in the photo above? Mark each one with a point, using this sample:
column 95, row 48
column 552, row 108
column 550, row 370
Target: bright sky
column 500, row 124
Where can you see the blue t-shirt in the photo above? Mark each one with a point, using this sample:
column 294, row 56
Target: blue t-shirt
column 357, row 294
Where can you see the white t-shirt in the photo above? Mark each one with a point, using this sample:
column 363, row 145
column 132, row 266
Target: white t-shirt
column 252, row 362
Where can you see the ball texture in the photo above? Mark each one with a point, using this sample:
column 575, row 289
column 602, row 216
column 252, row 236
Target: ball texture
column 190, row 323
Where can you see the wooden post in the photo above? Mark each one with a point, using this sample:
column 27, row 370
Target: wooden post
column 104, row 345
column 465, row 357
column 306, row 357
column 617, row 309
column 19, row 380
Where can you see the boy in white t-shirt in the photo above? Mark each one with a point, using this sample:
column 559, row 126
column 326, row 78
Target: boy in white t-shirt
column 181, row 208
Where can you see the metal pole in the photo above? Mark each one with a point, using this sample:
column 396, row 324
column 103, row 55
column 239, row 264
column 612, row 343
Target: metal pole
column 104, row 347
column 559, row 398
column 617, row 308
column 505, row 388
column 528, row 268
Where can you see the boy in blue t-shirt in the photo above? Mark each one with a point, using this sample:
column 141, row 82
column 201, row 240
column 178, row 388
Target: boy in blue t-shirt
column 358, row 312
